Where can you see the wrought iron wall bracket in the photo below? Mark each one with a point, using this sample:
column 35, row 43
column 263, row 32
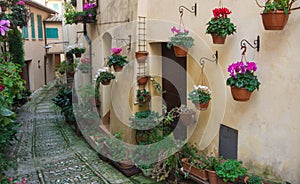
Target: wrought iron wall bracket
column 193, row 9
column 126, row 41
column 215, row 58
column 255, row 46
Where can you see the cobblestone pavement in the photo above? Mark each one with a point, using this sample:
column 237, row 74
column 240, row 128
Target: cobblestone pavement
column 50, row 152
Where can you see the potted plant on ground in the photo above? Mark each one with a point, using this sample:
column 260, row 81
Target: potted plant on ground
column 85, row 65
column 242, row 80
column 200, row 96
column 229, row 171
column 253, row 179
column 104, row 76
column 181, row 42
column 220, row 25
column 211, row 163
column 276, row 13
column 116, row 60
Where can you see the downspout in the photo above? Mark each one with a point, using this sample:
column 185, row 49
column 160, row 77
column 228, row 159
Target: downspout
column 87, row 38
column 46, row 53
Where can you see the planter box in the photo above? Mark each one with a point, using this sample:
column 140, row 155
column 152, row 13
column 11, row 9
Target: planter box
column 187, row 167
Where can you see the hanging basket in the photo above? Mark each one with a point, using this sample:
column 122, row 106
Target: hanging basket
column 78, row 55
column 202, row 107
column 240, row 94
column 180, row 51
column 117, row 68
column 218, row 39
column 141, row 56
column 142, row 80
column 274, row 20
column 105, row 83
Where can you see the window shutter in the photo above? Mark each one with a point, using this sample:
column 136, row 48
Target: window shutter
column 40, row 27
column 25, row 32
column 32, row 26
column 52, row 33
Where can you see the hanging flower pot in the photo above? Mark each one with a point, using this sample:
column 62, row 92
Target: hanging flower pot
column 275, row 20
column 104, row 76
column 202, row 107
column 117, row 68
column 141, row 56
column 218, row 39
column 105, row 83
column 180, row 51
column 240, row 94
column 142, row 80
column 200, row 97
column 116, row 60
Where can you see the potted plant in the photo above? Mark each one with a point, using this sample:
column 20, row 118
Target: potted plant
column 85, row 65
column 144, row 120
column 143, row 96
column 181, row 42
column 89, row 12
column 276, row 13
column 104, row 76
column 200, row 96
column 187, row 115
column 141, row 56
column 242, row 80
column 77, row 51
column 253, row 179
column 116, row 60
column 220, row 25
column 211, row 163
column 70, row 13
column 78, row 17
column 229, row 171
column 142, row 80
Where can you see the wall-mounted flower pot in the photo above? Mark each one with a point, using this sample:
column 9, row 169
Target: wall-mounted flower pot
column 180, row 51
column 117, row 68
column 142, row 80
column 78, row 18
column 90, row 19
column 218, row 39
column 240, row 94
column 105, row 83
column 141, row 56
column 274, row 20
column 199, row 173
column 202, row 107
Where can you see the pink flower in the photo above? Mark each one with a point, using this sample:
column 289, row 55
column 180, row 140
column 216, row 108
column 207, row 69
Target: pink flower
column 251, row 66
column 88, row 6
column 18, row 182
column 116, row 50
column 4, row 26
column 21, row 3
column 10, row 179
column 174, row 30
column 186, row 31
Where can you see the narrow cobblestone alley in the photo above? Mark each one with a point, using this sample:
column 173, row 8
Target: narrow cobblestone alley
column 48, row 150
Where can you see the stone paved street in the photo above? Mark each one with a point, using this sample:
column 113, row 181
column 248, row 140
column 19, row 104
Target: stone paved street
column 50, row 152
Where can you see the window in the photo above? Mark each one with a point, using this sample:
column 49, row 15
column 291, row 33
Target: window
column 55, row 6
column 25, row 32
column 40, row 27
column 52, row 33
column 32, row 26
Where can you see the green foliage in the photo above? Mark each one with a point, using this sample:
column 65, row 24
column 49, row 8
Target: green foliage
column 143, row 96
column 283, row 5
column 11, row 80
column 253, row 179
column 247, row 80
column 211, row 163
column 182, row 39
column 220, row 26
column 77, row 50
column 199, row 96
column 230, row 170
column 145, row 120
column 70, row 13
column 117, row 60
column 18, row 15
column 105, row 77
column 66, row 67
column 15, row 45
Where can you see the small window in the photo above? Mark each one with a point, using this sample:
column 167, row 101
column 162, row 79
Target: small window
column 52, row 33
column 32, row 26
column 55, row 6
column 25, row 32
column 40, row 27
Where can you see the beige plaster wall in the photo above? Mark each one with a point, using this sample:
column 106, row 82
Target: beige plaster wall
column 267, row 124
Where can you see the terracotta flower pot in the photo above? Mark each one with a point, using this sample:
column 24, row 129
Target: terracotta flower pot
column 202, row 107
column 199, row 173
column 78, row 18
column 118, row 68
column 105, row 83
column 180, row 51
column 78, row 55
column 142, row 80
column 218, row 39
column 240, row 94
column 212, row 177
column 141, row 56
column 274, row 20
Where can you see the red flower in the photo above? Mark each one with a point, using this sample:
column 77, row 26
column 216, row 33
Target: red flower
column 1, row 87
column 221, row 12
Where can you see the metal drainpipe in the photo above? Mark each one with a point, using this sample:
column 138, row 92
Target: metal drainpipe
column 90, row 48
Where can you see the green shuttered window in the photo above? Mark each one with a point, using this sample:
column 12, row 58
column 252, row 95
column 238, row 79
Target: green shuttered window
column 25, row 32
column 40, row 27
column 52, row 33
column 32, row 26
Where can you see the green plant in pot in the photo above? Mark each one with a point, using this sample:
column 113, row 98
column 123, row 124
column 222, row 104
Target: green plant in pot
column 220, row 25
column 242, row 80
column 104, row 76
column 70, row 13
column 143, row 96
column 77, row 51
column 181, row 42
column 276, row 13
column 200, row 96
column 230, row 170
column 211, row 163
column 253, row 179
column 116, row 60
column 89, row 12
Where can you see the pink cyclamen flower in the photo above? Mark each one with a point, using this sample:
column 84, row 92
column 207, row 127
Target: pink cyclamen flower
column 10, row 179
column 186, row 31
column 21, row 3
column 116, row 50
column 4, row 26
column 251, row 66
column 18, row 182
